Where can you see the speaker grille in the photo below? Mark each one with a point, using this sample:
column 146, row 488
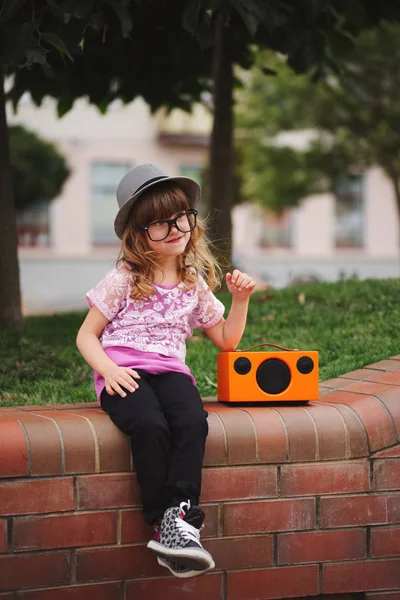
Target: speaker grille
column 305, row 365
column 242, row 365
column 273, row 376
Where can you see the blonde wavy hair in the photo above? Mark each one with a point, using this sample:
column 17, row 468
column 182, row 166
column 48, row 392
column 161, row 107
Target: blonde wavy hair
column 160, row 202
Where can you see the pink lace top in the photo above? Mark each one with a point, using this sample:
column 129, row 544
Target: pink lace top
column 159, row 324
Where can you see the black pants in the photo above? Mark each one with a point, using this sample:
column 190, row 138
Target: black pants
column 167, row 425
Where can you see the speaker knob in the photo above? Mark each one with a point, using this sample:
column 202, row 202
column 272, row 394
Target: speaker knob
column 305, row 365
column 242, row 365
column 273, row 376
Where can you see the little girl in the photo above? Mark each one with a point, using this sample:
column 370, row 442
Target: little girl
column 134, row 336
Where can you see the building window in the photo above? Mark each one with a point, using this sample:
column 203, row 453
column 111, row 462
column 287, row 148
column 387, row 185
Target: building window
column 277, row 231
column 349, row 222
column 33, row 226
column 104, row 178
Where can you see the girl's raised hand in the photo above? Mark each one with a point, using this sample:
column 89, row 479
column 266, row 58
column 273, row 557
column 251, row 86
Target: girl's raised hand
column 239, row 284
column 119, row 379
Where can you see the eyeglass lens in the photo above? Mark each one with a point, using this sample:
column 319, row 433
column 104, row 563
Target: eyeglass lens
column 185, row 222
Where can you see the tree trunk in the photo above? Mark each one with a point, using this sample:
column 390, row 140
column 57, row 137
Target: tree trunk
column 10, row 296
column 221, row 150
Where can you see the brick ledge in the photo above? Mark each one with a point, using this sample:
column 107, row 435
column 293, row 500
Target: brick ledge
column 357, row 416
column 300, row 501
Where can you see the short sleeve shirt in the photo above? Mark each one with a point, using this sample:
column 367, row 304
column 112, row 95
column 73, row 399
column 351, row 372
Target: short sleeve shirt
column 161, row 323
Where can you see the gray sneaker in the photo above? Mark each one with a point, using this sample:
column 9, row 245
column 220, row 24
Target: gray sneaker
column 180, row 538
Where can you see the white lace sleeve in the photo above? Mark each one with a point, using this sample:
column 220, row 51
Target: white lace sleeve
column 209, row 310
column 110, row 294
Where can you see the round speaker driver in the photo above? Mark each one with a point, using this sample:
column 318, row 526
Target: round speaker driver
column 305, row 365
column 273, row 376
column 242, row 365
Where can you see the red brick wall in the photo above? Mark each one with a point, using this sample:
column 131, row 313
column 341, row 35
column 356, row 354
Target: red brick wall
column 300, row 501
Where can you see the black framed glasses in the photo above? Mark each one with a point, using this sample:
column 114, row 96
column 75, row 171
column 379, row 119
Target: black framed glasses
column 160, row 230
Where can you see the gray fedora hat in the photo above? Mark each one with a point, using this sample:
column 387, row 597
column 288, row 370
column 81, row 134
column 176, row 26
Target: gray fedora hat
column 138, row 180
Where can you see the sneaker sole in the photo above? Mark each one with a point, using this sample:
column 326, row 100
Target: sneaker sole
column 189, row 557
column 191, row 573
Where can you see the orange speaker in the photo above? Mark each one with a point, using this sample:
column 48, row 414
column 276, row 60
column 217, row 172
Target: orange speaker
column 288, row 376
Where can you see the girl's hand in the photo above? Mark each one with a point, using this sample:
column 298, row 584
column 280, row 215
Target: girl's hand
column 116, row 377
column 240, row 285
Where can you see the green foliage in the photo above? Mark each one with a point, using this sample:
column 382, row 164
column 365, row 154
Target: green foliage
column 109, row 64
column 276, row 177
column 350, row 323
column 37, row 168
column 355, row 116
column 274, row 174
column 75, row 48
column 30, row 30
column 107, row 49
column 367, row 101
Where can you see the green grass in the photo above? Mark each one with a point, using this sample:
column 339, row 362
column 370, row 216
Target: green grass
column 351, row 324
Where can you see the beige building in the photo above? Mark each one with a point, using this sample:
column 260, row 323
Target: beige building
column 326, row 237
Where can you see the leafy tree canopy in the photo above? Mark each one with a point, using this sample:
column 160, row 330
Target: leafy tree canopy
column 111, row 49
column 37, row 168
column 355, row 115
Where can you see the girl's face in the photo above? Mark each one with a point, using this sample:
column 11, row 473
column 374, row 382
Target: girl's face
column 176, row 241
column 152, row 217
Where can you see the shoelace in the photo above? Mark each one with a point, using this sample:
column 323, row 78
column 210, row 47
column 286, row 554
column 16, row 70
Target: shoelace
column 185, row 505
column 188, row 531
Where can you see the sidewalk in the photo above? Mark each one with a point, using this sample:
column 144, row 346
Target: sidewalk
column 51, row 283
